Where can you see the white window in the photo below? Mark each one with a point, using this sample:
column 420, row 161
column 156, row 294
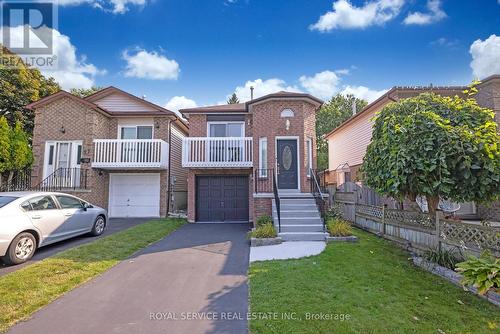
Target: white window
column 309, row 155
column 287, row 113
column 263, row 157
column 136, row 132
column 226, row 129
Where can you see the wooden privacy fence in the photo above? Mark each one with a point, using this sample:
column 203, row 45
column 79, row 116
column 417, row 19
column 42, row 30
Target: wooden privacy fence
column 418, row 231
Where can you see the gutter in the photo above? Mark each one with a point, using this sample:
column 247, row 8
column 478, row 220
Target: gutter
column 169, row 164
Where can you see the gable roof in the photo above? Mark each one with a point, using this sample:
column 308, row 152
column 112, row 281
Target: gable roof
column 395, row 94
column 90, row 100
column 113, row 90
column 60, row 94
column 244, row 107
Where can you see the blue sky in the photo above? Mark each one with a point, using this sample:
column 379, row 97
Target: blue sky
column 200, row 51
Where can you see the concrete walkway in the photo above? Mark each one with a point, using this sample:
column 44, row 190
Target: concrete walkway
column 114, row 225
column 199, row 271
column 286, row 250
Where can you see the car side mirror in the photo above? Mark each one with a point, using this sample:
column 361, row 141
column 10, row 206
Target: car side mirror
column 86, row 206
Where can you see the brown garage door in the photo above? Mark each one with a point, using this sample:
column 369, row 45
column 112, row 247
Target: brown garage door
column 221, row 198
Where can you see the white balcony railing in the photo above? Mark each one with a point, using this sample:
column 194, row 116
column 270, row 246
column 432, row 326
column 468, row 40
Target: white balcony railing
column 130, row 154
column 217, row 152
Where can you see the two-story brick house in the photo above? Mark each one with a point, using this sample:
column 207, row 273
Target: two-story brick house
column 111, row 148
column 235, row 152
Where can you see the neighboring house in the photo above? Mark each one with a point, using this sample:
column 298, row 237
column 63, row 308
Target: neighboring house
column 347, row 143
column 233, row 150
column 111, row 148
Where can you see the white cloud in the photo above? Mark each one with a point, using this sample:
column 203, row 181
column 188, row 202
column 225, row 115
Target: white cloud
column 444, row 42
column 261, row 88
column 114, row 6
column 362, row 92
column 347, row 16
column 180, row 102
column 322, row 84
column 70, row 71
column 435, row 14
column 150, row 65
column 485, row 57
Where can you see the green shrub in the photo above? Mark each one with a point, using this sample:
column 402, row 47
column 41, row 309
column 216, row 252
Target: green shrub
column 264, row 231
column 333, row 213
column 263, row 220
column 338, row 227
column 444, row 257
column 481, row 273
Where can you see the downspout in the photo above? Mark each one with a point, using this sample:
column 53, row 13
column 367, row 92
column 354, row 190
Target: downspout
column 169, row 163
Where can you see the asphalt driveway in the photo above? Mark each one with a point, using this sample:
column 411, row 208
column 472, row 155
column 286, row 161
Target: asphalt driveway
column 114, row 225
column 192, row 281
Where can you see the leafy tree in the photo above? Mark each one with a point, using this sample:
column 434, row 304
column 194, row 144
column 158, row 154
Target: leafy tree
column 5, row 146
column 21, row 155
column 233, row 99
column 19, row 87
column 434, row 146
column 330, row 116
column 84, row 92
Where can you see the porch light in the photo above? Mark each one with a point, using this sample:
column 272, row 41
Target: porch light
column 287, row 124
column 157, row 125
column 62, row 129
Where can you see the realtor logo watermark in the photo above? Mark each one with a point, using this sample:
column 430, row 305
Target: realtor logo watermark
column 28, row 31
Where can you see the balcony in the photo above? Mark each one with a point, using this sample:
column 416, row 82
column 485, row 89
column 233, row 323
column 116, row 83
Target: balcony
column 130, row 154
column 217, row 152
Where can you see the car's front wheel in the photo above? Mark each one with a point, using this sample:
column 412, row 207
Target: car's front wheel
column 21, row 249
column 99, row 226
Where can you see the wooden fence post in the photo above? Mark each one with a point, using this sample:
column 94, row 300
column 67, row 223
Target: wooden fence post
column 439, row 216
column 383, row 219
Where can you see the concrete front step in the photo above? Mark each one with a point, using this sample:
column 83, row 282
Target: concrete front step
column 297, row 213
column 297, row 201
column 301, row 228
column 300, row 220
column 303, row 236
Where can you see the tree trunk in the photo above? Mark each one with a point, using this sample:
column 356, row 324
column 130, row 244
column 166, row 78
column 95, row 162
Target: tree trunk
column 9, row 179
column 432, row 204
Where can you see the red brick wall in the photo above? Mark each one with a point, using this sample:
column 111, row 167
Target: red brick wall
column 267, row 122
column 262, row 206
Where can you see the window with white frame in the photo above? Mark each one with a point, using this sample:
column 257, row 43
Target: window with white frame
column 263, row 157
column 226, row 129
column 309, row 155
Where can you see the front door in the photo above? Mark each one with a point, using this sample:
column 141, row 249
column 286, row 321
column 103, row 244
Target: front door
column 287, row 164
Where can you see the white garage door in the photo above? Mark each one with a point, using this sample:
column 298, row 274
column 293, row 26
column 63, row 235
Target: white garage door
column 134, row 195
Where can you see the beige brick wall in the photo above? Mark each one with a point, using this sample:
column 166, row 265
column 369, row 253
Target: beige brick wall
column 83, row 123
column 80, row 123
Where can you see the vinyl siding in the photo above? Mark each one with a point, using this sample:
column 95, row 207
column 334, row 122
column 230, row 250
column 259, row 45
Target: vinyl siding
column 176, row 160
column 122, row 103
column 350, row 143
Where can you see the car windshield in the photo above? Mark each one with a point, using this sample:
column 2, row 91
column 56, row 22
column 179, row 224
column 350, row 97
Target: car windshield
column 4, row 200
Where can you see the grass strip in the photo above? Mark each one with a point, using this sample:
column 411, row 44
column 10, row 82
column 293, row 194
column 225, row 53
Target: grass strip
column 25, row 291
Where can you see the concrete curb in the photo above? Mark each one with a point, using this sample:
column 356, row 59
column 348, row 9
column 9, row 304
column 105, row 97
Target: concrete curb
column 256, row 242
column 351, row 238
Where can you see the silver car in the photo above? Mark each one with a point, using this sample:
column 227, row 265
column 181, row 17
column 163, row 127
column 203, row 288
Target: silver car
column 29, row 220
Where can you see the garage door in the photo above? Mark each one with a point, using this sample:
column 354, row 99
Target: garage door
column 134, row 195
column 222, row 198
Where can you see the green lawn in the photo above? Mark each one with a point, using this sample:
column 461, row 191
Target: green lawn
column 25, row 291
column 373, row 282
